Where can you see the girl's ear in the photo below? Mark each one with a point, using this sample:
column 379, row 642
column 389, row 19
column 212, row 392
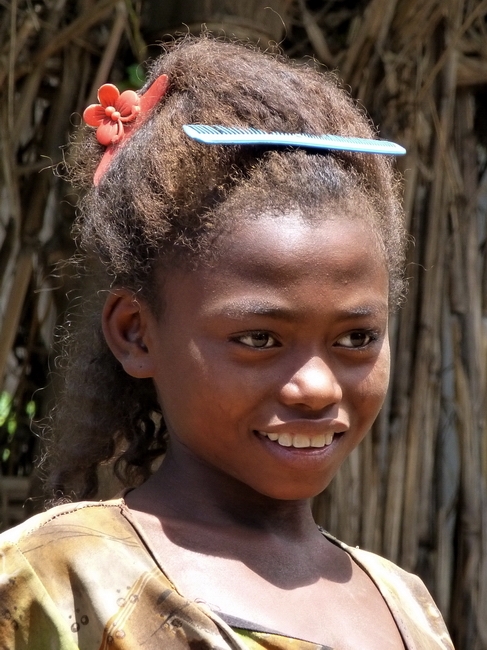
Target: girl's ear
column 124, row 324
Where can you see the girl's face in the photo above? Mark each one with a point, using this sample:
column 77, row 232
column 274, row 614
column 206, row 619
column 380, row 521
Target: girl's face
column 272, row 364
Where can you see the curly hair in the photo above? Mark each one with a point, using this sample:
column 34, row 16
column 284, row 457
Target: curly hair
column 163, row 201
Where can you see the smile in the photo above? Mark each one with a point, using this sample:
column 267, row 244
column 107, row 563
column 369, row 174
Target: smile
column 298, row 440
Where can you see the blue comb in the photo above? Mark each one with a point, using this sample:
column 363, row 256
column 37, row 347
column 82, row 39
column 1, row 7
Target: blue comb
column 238, row 135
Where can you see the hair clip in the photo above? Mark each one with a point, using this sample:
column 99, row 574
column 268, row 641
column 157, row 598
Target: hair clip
column 118, row 115
column 238, row 135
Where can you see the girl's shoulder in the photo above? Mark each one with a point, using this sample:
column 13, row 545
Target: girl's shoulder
column 80, row 576
column 74, row 537
column 67, row 514
column 412, row 606
column 67, row 572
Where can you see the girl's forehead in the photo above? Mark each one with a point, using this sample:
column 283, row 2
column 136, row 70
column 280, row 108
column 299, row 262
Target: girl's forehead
column 293, row 242
column 274, row 257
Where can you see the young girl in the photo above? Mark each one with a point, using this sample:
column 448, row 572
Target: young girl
column 243, row 334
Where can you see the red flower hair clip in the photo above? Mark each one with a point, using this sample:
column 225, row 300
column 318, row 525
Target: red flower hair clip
column 110, row 114
column 117, row 115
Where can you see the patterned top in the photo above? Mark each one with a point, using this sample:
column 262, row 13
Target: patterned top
column 83, row 576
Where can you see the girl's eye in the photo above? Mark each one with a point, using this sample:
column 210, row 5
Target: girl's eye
column 357, row 339
column 257, row 340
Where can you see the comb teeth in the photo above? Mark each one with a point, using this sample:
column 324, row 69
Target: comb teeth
column 217, row 134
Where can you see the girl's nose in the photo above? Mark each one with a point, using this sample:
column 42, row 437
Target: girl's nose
column 313, row 386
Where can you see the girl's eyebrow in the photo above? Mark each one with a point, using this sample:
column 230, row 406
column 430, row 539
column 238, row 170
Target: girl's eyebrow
column 251, row 308
column 238, row 310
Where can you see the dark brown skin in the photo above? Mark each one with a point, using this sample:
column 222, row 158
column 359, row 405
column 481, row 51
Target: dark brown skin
column 285, row 334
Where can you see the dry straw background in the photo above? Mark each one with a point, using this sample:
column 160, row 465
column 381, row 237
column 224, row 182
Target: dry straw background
column 416, row 489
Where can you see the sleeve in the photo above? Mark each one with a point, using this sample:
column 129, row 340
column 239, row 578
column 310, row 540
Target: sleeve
column 29, row 619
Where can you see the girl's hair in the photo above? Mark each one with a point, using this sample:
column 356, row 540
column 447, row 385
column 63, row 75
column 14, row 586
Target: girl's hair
column 166, row 199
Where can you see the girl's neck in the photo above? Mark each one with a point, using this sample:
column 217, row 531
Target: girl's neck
column 199, row 510
column 186, row 489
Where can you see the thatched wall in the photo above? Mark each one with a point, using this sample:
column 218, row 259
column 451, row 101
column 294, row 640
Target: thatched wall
column 416, row 490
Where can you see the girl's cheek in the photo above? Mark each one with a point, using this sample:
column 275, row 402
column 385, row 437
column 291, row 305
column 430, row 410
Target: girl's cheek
column 376, row 385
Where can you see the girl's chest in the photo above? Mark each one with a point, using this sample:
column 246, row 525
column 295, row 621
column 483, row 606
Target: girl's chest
column 348, row 615
column 351, row 616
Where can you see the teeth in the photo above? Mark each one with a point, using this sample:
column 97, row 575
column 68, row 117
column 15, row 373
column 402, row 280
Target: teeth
column 319, row 441
column 329, row 439
column 299, row 441
column 285, row 440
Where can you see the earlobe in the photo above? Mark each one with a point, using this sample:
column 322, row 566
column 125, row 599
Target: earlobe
column 124, row 324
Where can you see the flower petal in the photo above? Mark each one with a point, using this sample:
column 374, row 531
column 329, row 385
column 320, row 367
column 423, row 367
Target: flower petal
column 127, row 104
column 108, row 95
column 108, row 132
column 94, row 114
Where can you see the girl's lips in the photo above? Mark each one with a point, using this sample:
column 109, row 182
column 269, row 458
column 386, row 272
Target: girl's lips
column 300, row 441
